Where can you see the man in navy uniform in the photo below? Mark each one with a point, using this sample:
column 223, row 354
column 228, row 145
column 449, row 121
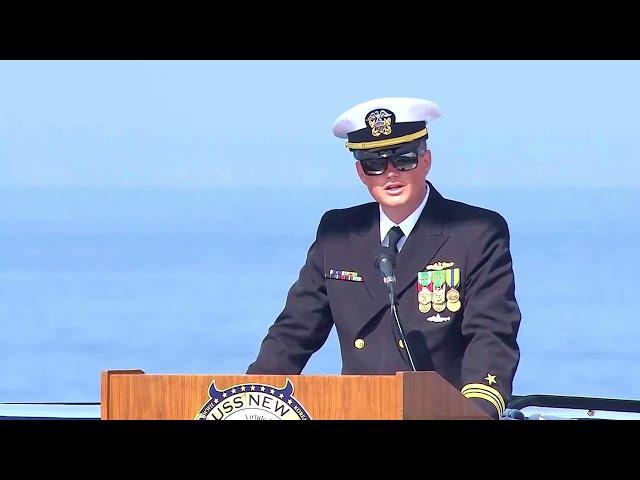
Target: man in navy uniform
column 455, row 283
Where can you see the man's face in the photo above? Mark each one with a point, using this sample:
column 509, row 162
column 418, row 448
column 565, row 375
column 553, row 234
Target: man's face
column 395, row 189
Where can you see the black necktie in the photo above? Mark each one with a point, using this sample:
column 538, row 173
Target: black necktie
column 395, row 234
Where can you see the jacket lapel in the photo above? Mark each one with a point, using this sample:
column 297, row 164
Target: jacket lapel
column 420, row 248
column 423, row 243
column 367, row 242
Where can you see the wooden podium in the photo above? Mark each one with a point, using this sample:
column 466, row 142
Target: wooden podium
column 134, row 395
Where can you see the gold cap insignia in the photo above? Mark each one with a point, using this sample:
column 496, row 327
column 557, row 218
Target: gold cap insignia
column 380, row 122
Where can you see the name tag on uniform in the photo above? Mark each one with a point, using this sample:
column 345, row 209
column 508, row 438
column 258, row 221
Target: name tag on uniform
column 344, row 275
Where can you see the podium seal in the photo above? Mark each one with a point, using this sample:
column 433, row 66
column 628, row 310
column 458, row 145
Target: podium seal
column 252, row 401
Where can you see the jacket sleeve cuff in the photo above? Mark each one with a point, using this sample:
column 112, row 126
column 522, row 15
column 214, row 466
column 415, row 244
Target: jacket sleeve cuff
column 489, row 399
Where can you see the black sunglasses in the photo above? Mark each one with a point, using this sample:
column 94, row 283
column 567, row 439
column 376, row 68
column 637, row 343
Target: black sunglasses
column 378, row 165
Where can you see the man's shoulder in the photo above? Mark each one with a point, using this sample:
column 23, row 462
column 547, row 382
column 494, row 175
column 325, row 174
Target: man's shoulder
column 465, row 216
column 350, row 219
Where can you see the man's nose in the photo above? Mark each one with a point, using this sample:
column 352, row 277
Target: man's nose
column 392, row 171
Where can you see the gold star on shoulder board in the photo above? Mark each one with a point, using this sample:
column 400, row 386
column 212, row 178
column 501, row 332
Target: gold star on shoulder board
column 490, row 378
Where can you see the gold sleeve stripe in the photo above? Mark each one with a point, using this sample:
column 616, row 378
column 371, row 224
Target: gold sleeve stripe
column 387, row 142
column 486, row 389
column 477, row 387
column 489, row 398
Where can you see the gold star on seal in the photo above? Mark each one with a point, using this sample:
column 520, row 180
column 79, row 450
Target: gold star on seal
column 490, row 378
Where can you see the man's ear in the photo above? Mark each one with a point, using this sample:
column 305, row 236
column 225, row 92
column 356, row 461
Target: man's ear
column 426, row 158
column 361, row 173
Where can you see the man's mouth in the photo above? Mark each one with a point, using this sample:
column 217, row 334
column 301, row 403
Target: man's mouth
column 393, row 188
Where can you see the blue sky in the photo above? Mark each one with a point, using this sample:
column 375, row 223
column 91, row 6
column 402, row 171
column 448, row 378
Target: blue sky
column 192, row 124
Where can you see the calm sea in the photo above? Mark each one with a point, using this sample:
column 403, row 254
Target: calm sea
column 188, row 281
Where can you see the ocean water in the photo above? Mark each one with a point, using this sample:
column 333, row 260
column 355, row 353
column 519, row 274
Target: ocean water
column 188, row 281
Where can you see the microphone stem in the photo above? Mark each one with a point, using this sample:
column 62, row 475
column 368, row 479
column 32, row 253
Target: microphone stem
column 394, row 311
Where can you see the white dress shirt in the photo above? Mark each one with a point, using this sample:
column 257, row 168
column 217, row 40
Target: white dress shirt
column 406, row 225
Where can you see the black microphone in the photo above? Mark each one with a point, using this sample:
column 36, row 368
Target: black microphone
column 385, row 264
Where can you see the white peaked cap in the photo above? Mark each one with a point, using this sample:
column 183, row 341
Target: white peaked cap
column 385, row 121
